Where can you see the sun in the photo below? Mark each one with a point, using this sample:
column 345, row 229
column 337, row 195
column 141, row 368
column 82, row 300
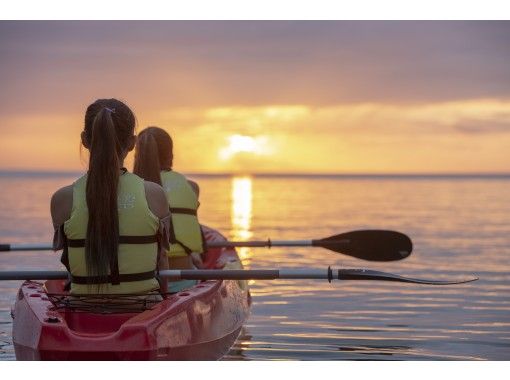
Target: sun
column 244, row 144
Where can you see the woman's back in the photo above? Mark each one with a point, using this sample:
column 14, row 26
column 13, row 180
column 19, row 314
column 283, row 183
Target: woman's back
column 183, row 204
column 108, row 221
column 137, row 224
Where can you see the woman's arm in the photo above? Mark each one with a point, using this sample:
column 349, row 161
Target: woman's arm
column 158, row 204
column 195, row 187
column 163, row 265
column 61, row 205
column 156, row 199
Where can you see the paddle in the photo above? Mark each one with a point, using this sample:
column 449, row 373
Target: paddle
column 371, row 245
column 254, row 274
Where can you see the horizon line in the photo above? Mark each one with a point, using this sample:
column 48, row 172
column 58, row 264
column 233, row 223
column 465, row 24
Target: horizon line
column 65, row 173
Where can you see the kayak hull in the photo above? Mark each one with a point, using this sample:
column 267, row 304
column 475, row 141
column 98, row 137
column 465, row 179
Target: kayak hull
column 200, row 323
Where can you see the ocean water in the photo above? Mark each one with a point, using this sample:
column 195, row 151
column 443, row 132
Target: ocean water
column 460, row 226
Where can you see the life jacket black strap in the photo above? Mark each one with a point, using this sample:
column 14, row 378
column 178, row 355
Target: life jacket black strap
column 182, row 210
column 115, row 278
column 129, row 277
column 185, row 247
column 148, row 239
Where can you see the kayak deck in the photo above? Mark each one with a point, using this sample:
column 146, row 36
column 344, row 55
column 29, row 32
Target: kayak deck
column 200, row 323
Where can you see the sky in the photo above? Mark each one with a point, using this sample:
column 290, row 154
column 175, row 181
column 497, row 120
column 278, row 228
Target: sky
column 265, row 96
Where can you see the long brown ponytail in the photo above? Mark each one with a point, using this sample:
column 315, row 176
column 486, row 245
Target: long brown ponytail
column 109, row 124
column 154, row 152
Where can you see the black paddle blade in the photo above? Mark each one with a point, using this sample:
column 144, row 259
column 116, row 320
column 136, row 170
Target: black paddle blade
column 366, row 274
column 371, row 245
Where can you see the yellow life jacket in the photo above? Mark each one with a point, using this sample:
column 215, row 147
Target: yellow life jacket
column 138, row 244
column 185, row 233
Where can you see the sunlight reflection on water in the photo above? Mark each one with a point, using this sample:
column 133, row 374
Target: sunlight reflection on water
column 241, row 215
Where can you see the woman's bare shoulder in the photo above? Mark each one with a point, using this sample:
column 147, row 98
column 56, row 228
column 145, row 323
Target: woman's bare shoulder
column 156, row 199
column 195, row 187
column 61, row 205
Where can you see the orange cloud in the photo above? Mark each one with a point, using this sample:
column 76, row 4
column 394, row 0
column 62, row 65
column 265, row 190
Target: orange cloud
column 369, row 137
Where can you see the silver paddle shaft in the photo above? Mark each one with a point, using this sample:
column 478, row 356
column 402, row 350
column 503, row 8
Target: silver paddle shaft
column 26, row 247
column 213, row 244
column 193, row 274
column 261, row 243
column 253, row 274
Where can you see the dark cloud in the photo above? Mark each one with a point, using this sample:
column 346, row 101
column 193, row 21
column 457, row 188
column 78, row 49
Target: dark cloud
column 472, row 126
column 50, row 64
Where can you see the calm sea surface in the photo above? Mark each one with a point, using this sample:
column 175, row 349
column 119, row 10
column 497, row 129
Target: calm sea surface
column 459, row 226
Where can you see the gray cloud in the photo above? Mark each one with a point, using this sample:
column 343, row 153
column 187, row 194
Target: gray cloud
column 478, row 126
column 50, row 65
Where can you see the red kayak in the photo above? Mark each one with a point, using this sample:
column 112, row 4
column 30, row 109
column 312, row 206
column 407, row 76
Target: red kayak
column 200, row 323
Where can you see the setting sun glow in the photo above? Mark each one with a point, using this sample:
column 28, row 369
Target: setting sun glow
column 244, row 144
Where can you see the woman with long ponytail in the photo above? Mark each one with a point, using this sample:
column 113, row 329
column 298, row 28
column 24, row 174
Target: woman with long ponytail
column 154, row 162
column 102, row 239
column 111, row 224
